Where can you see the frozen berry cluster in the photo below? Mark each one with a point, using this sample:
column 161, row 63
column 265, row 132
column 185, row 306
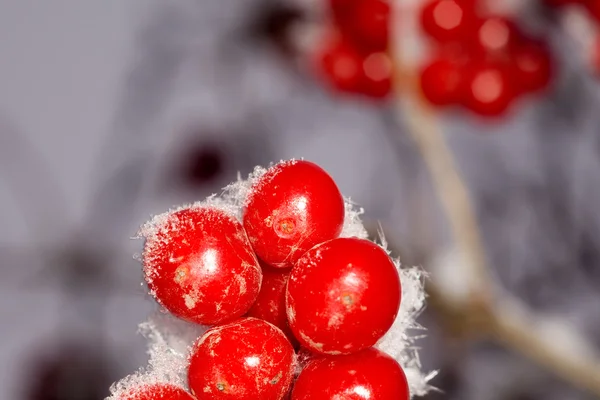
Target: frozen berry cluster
column 352, row 57
column 294, row 309
column 482, row 62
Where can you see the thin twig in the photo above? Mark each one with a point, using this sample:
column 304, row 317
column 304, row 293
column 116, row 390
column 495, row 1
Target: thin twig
column 451, row 190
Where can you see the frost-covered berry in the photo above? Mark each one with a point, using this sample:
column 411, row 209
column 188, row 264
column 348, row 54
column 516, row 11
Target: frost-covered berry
column 369, row 374
column 157, row 391
column 247, row 359
column 270, row 304
column 342, row 296
column 292, row 207
column 200, row 266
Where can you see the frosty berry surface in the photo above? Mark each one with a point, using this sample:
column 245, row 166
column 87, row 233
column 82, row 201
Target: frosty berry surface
column 248, row 359
column 292, row 207
column 369, row 374
column 342, row 296
column 199, row 265
column 157, row 392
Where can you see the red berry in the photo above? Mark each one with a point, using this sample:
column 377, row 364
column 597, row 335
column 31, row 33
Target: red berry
column 533, row 66
column 341, row 8
column 496, row 36
column 369, row 374
column 367, row 23
column 342, row 296
column 377, row 82
column 200, row 266
column 348, row 70
column 488, row 90
column 441, row 81
column 157, row 391
column 248, row 359
column 292, row 207
column 341, row 66
column 270, row 304
column 449, row 20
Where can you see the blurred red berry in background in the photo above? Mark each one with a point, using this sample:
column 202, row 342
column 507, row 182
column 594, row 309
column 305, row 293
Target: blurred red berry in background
column 593, row 7
column 368, row 24
column 378, row 71
column 348, row 70
column 441, row 81
column 449, row 20
column 341, row 65
column 495, row 36
column 489, row 91
column 533, row 66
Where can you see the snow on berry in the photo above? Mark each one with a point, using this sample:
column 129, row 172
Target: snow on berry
column 369, row 374
column 270, row 304
column 292, row 207
column 248, row 359
column 170, row 338
column 342, row 296
column 199, row 265
column 158, row 391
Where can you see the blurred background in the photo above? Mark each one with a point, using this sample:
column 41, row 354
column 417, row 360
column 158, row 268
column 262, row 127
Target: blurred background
column 111, row 111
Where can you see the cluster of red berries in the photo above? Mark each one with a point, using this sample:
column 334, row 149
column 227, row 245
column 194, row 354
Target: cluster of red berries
column 353, row 58
column 482, row 62
column 329, row 297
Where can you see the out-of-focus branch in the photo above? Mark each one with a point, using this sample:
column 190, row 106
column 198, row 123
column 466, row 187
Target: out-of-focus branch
column 553, row 344
column 485, row 310
column 451, row 190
